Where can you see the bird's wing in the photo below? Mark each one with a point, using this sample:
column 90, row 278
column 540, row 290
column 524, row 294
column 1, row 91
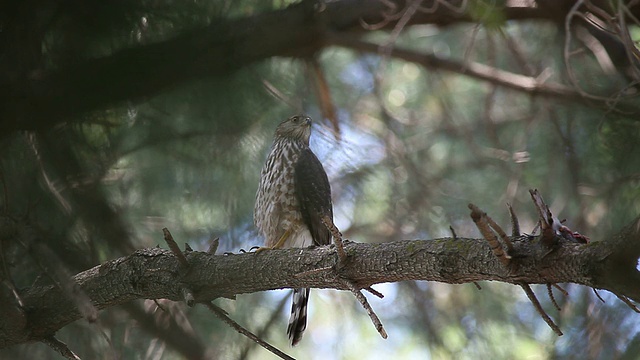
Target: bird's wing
column 314, row 196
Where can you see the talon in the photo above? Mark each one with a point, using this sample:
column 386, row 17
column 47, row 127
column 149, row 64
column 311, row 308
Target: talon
column 278, row 244
column 243, row 251
column 254, row 248
column 262, row 248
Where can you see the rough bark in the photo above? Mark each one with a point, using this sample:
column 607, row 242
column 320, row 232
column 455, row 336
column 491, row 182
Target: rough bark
column 157, row 273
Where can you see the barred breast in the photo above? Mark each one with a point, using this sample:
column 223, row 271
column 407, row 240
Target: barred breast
column 276, row 208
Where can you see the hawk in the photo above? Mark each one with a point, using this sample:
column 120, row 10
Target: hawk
column 293, row 199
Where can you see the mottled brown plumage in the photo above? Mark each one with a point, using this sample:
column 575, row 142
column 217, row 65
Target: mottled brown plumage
column 293, row 197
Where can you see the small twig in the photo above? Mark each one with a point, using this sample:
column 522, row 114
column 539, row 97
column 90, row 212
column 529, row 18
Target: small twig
column 9, row 283
column 365, row 304
column 536, row 304
column 213, row 247
column 222, row 315
column 628, row 302
column 535, row 228
column 553, row 299
column 174, row 247
column 453, row 233
column 327, row 105
column 477, row 285
column 187, row 294
column 546, row 218
column 501, row 233
column 480, row 219
column 515, row 223
column 574, row 12
column 276, row 93
column 409, row 11
column 161, row 307
column 388, row 16
column 187, row 247
column 595, row 291
column 275, row 315
column 60, row 347
column 337, row 238
column 374, row 292
column 541, row 207
column 563, row 291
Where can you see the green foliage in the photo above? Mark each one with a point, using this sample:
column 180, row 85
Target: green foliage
column 488, row 13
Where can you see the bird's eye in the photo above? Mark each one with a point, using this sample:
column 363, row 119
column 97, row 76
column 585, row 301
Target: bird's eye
column 295, row 119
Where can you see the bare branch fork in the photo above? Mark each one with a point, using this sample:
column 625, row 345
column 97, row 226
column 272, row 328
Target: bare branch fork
column 342, row 260
column 552, row 232
column 503, row 251
column 157, row 273
column 222, row 315
column 217, row 311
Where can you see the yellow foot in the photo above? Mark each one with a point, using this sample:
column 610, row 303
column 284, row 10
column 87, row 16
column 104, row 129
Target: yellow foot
column 278, row 244
column 282, row 239
column 262, row 248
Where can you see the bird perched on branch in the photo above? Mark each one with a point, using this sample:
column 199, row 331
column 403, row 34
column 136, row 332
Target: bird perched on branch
column 293, row 200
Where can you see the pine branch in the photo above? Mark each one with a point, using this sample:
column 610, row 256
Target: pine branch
column 157, row 273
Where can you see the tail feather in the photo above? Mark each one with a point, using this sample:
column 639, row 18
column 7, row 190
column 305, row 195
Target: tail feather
column 298, row 319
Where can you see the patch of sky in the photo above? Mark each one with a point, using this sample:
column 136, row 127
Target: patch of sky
column 358, row 74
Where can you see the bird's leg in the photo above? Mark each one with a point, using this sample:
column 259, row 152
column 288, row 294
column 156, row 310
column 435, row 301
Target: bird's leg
column 283, row 238
column 278, row 245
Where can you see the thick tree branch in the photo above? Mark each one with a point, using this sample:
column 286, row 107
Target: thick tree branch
column 525, row 84
column 43, row 98
column 156, row 273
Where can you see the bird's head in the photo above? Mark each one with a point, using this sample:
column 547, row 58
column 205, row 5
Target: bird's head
column 297, row 127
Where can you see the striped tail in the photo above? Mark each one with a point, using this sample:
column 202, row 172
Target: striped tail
column 298, row 319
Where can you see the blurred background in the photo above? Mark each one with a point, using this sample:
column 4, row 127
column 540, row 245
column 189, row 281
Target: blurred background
column 414, row 119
